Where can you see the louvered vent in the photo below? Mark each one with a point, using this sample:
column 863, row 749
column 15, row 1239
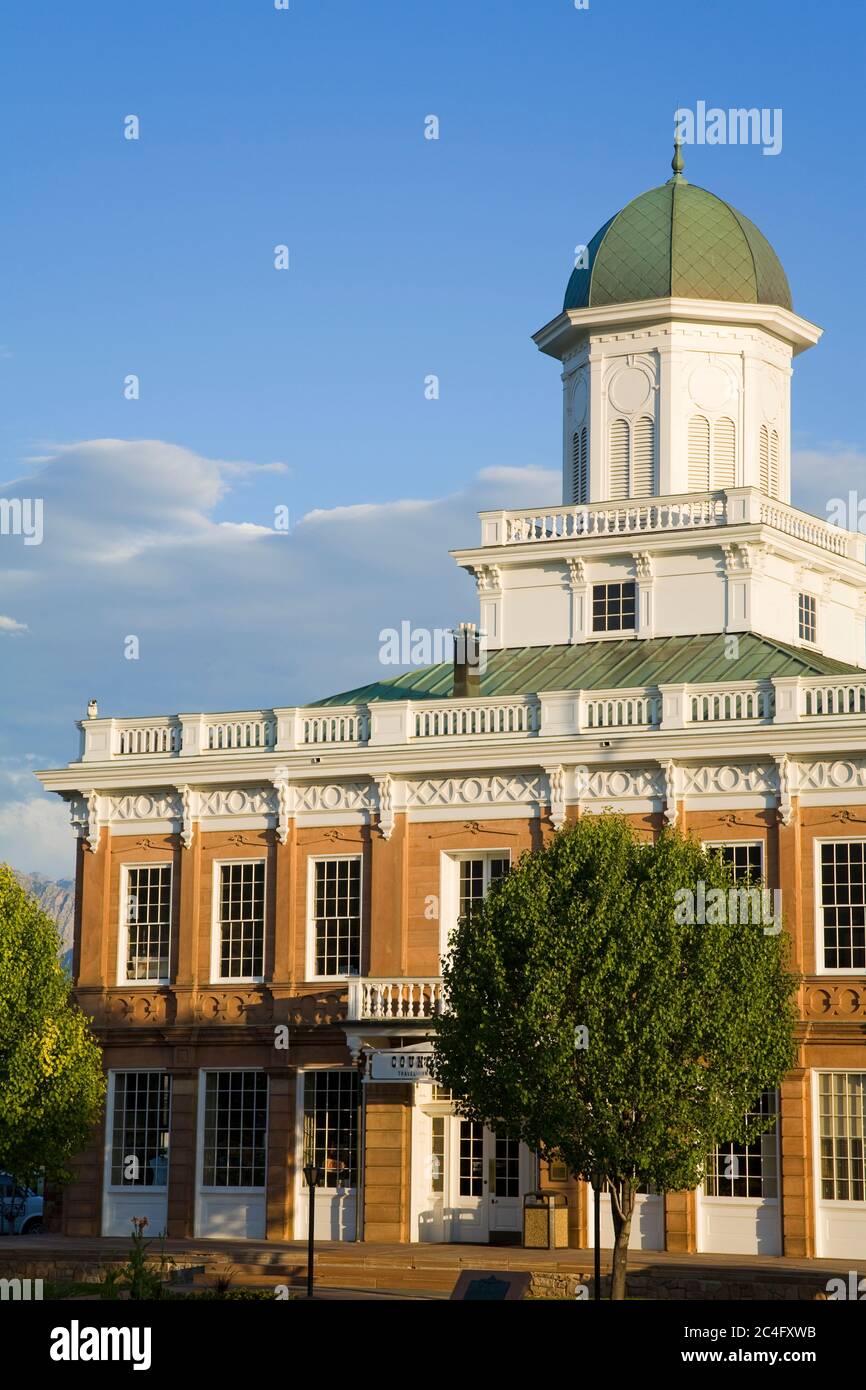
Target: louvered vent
column 764, row 460
column 618, row 459
column 579, row 471
column 699, row 454
column 724, row 453
column 643, row 460
column 773, row 470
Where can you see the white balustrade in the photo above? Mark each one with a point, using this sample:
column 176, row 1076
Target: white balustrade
column 141, row 739
column 333, row 726
column 240, row 731
column 832, row 696
column 394, row 997
column 722, row 704
column 457, row 719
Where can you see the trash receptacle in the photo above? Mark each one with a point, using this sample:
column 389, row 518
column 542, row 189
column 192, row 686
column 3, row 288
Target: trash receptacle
column 545, row 1221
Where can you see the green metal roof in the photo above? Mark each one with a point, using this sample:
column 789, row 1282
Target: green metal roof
column 607, row 665
column 678, row 241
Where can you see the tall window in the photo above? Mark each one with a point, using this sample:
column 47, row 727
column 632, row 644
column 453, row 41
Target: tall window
column 712, row 453
column 613, row 607
column 337, row 920
column 842, row 1129
column 643, row 470
column 476, row 876
column 331, row 1124
column 807, row 617
column 618, row 459
column 242, row 919
column 580, row 466
column 140, row 1124
column 235, row 1129
column 843, row 904
column 147, row 921
column 748, row 1170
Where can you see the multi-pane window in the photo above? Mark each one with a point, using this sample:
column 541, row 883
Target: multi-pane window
column 843, row 904
column 747, row 1170
column 437, row 1154
column 613, row 607
column 331, row 1124
column 744, row 857
column 337, row 921
column 235, row 1129
column 471, row 1161
column 476, row 877
column 148, row 922
column 842, row 1127
column 807, row 617
column 506, row 1168
column 140, row 1124
column 242, row 919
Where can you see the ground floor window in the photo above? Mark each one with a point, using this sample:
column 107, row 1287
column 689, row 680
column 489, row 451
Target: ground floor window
column 235, row 1129
column 331, row 1124
column 842, row 1128
column 140, row 1124
column 748, row 1170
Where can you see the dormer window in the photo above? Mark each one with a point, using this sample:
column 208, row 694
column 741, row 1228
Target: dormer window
column 613, row 607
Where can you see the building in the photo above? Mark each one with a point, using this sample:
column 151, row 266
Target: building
column 263, row 896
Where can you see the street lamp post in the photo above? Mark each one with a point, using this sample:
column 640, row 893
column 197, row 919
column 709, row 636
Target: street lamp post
column 313, row 1175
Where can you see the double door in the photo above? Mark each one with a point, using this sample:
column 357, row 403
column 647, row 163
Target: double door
column 469, row 1182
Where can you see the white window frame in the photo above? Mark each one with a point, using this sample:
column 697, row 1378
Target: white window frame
column 725, row 844
column 816, row 603
column 123, row 925
column 200, row 1185
column 840, row 972
column 836, row 1204
column 216, row 937
column 127, row 1188
column 612, row 633
column 449, row 885
column 310, row 962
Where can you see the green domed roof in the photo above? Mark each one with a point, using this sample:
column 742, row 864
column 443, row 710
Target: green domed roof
column 678, row 241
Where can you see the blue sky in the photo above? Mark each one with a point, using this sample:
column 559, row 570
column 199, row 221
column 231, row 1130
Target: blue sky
column 304, row 388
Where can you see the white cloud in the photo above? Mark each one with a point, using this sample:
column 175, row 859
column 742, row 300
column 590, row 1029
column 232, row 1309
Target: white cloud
column 10, row 626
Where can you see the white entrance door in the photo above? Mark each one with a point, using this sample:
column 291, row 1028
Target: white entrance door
column 647, row 1222
column 468, row 1183
column 738, row 1205
column 840, row 1164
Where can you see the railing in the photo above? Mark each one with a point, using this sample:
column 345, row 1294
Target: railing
column 832, row 697
column 567, row 523
column 141, row 739
column 451, row 719
column 620, row 710
column 250, row 733
column 392, row 997
column 805, row 527
column 710, row 707
column 334, row 728
column 548, row 715
column 680, row 512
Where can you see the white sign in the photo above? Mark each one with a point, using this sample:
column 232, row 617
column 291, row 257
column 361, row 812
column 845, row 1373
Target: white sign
column 404, row 1064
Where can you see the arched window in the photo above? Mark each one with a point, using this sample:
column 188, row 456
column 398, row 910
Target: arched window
column 724, row 472
column 699, row 454
column 579, row 466
column 619, row 441
column 643, row 458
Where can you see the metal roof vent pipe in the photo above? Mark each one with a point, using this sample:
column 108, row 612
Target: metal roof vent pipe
column 469, row 661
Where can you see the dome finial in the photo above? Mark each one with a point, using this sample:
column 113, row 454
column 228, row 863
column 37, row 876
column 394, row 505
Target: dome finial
column 677, row 163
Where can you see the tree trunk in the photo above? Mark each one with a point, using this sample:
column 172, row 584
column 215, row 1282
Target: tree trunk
column 622, row 1195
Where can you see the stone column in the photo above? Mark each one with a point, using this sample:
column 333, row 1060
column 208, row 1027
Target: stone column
column 798, row 1207
column 680, row 1222
column 387, row 1162
column 281, row 1153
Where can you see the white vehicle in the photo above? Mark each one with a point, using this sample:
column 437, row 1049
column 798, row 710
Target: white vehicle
column 20, row 1209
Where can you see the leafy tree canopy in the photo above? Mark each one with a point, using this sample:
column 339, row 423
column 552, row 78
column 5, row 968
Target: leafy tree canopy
column 51, row 1081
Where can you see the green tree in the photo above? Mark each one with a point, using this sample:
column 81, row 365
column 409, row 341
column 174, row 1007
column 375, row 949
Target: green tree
column 586, row 1015
column 52, row 1086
